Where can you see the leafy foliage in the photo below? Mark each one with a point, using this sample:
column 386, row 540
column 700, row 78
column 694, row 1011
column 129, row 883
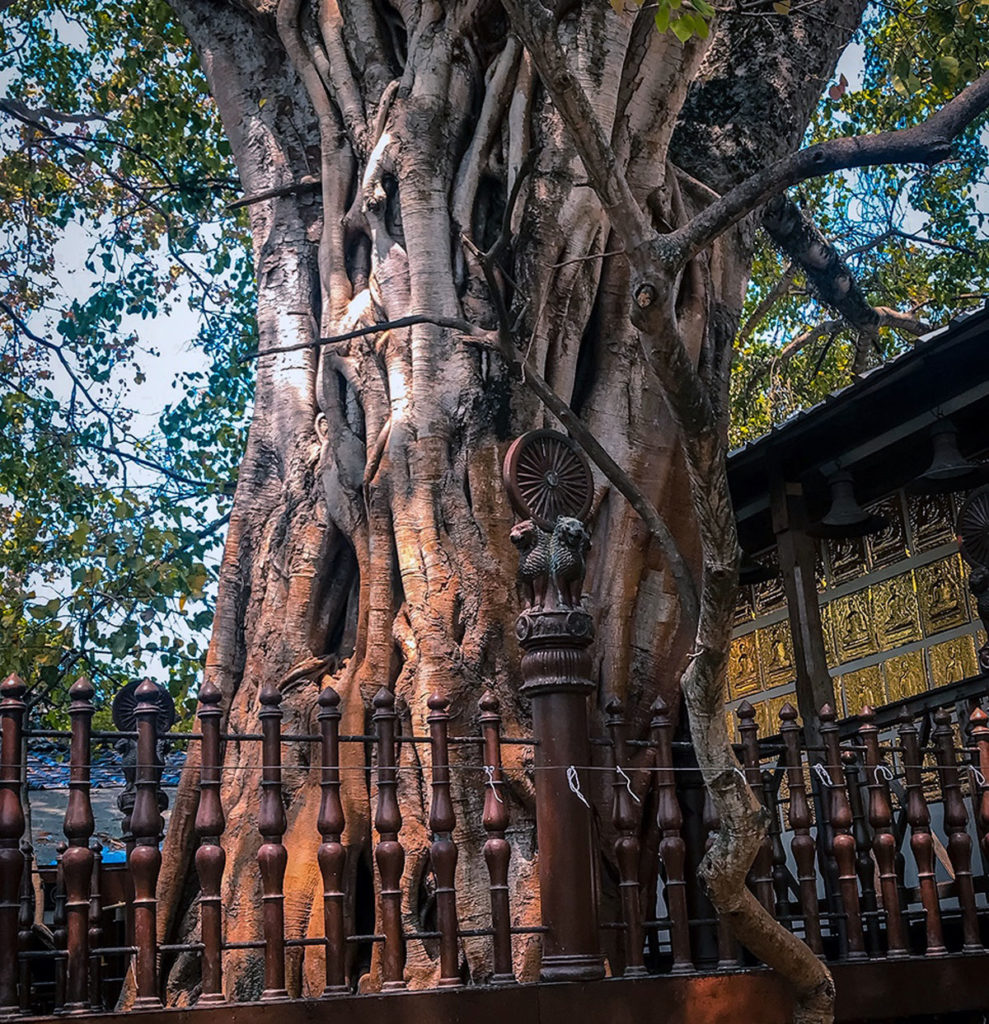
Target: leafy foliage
column 113, row 175
column 915, row 237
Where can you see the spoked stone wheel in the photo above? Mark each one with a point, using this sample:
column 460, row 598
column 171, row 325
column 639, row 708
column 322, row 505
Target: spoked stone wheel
column 547, row 476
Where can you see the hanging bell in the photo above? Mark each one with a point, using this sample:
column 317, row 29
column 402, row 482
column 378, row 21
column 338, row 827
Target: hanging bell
column 846, row 517
column 752, row 571
column 949, row 470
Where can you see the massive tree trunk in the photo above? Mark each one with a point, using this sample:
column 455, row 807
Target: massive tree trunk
column 369, row 541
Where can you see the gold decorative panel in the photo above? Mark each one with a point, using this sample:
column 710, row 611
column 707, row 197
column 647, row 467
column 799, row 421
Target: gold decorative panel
column 889, row 545
column 943, row 603
column 846, row 559
column 863, row 687
column 776, row 653
column 895, row 612
column 854, row 635
column 953, row 660
column 775, row 707
column 931, row 520
column 905, row 675
column 769, row 595
column 743, row 667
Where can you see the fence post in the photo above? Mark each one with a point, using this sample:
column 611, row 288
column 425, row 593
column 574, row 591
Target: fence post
column 77, row 861
column 12, row 708
column 210, row 858
column 556, row 676
column 388, row 853
column 145, row 857
column 272, row 855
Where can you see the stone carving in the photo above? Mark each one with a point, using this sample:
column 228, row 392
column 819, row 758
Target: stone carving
column 551, row 566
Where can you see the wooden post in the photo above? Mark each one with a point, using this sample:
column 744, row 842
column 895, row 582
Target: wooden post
column 626, row 822
column 145, row 858
column 921, row 842
column 443, row 850
column 556, row 674
column 884, row 842
column 672, row 849
column 272, row 856
column 798, row 564
column 210, row 857
column 842, row 842
column 332, row 856
column 12, row 708
column 77, row 861
column 761, row 873
column 388, row 853
column 96, row 931
column 798, row 815
column 497, row 852
column 956, row 825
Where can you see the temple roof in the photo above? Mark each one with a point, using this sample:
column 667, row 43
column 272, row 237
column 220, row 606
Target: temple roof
column 876, row 427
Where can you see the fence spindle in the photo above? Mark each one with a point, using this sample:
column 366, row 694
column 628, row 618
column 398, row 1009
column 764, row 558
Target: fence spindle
column 443, row 850
column 96, row 930
column 884, row 844
column 272, row 856
column 497, row 851
column 980, row 736
column 761, row 873
column 864, row 867
column 626, row 823
column 921, row 842
column 956, row 825
column 388, row 854
column 770, row 791
column 842, row 841
column 332, row 856
column 77, row 861
column 729, row 952
column 25, row 925
column 145, row 857
column 12, row 708
column 210, row 856
column 672, row 849
column 798, row 815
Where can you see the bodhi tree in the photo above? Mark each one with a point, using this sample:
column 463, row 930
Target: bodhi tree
column 468, row 220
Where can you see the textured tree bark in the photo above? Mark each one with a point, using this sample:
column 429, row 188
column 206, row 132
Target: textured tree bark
column 369, row 540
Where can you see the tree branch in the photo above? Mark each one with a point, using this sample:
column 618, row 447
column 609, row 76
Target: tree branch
column 929, row 142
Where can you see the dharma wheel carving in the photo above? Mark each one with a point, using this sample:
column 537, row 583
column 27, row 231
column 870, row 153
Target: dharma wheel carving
column 547, row 476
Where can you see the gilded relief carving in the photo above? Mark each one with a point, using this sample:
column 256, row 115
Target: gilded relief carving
column 846, row 559
column 953, row 660
column 744, row 608
column 943, row 602
column 776, row 653
column 931, row 520
column 897, row 616
column 854, row 634
column 827, row 628
column 863, row 687
column 775, row 707
column 905, row 675
column 743, row 666
column 889, row 545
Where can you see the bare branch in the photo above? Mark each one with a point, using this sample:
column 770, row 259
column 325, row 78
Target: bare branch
column 778, row 291
column 453, row 323
column 925, row 143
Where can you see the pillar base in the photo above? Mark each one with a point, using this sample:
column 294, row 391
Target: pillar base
column 211, row 999
column 572, row 967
